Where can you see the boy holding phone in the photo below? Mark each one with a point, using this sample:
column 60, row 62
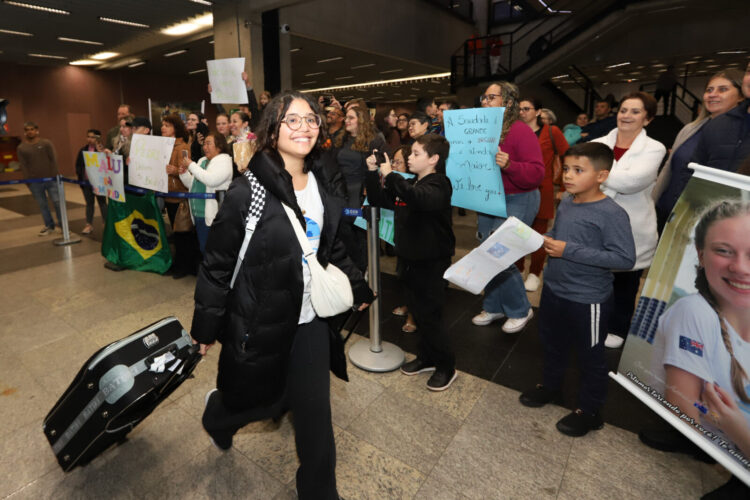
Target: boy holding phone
column 424, row 242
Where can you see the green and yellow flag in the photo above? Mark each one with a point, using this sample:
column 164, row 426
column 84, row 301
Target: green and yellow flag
column 134, row 235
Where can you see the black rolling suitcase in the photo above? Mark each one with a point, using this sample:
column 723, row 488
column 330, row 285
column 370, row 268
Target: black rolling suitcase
column 119, row 386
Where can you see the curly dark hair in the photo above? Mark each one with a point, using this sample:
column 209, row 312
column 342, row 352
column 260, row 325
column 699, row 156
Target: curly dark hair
column 179, row 126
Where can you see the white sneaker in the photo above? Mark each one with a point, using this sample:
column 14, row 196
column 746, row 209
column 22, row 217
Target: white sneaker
column 613, row 341
column 484, row 318
column 514, row 325
column 532, row 283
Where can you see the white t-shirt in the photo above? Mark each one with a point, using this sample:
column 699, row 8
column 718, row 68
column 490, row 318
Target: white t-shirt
column 689, row 337
column 312, row 208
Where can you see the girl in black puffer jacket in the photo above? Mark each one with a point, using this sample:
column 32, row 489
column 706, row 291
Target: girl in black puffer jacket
column 275, row 350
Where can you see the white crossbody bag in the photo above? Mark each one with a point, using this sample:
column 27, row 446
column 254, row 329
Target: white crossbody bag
column 330, row 290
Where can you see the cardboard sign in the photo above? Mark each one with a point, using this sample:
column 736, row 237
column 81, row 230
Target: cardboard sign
column 105, row 173
column 474, row 135
column 225, row 77
column 149, row 157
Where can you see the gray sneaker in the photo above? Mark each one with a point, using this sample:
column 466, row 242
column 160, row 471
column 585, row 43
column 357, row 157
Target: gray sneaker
column 46, row 230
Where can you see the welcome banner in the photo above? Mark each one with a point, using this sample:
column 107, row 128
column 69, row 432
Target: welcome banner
column 687, row 355
column 105, row 173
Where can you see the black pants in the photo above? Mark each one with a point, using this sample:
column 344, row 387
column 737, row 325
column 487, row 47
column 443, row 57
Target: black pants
column 187, row 254
column 425, row 296
column 626, row 288
column 88, row 195
column 564, row 324
column 308, row 397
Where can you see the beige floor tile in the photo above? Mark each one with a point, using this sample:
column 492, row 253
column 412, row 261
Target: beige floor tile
column 213, row 474
column 365, row 472
column 457, row 401
column 713, row 476
column 349, row 399
column 22, row 399
column 633, row 467
column 581, row 486
column 271, row 447
column 383, row 378
column 499, row 413
column 481, row 465
column 67, row 354
column 439, row 488
column 26, row 456
column 415, row 433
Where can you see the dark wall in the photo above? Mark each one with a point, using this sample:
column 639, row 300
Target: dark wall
column 66, row 101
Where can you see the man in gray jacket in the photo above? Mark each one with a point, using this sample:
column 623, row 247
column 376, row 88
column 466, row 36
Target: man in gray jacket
column 38, row 160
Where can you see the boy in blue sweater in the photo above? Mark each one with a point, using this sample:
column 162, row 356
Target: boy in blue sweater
column 591, row 237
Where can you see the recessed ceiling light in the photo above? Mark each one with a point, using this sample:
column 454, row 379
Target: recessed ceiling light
column 308, row 83
column 559, row 76
column 343, row 77
column 381, row 92
column 390, row 71
column 175, row 53
column 47, row 56
column 180, row 29
column 330, row 59
column 196, row 71
column 211, row 42
column 315, row 74
column 76, row 40
column 136, row 64
column 105, row 55
column 618, row 65
column 202, row 2
column 363, row 66
column 19, row 33
column 204, row 20
column 416, row 89
column 732, row 52
column 296, row 49
column 124, row 23
column 37, row 7
column 84, row 62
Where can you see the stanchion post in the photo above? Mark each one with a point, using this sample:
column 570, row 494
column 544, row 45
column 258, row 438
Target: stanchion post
column 375, row 355
column 66, row 239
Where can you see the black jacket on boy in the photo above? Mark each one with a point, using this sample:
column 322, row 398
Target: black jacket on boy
column 256, row 320
column 424, row 228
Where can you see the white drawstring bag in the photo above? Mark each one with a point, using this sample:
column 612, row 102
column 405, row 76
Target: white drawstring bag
column 330, row 290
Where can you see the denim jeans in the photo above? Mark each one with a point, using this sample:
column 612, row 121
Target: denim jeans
column 39, row 190
column 505, row 293
column 202, row 231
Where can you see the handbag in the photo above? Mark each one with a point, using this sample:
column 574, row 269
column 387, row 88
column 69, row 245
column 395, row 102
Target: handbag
column 330, row 290
column 183, row 223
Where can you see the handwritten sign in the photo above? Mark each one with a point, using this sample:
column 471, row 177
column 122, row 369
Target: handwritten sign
column 225, row 77
column 149, row 157
column 474, row 135
column 105, row 173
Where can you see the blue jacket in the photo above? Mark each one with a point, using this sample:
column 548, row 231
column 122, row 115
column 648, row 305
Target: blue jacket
column 725, row 140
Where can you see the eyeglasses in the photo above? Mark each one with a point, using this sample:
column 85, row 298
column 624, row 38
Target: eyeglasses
column 294, row 121
column 488, row 97
column 525, row 109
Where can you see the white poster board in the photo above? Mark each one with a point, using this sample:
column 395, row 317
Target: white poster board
column 511, row 241
column 149, row 157
column 105, row 174
column 225, row 77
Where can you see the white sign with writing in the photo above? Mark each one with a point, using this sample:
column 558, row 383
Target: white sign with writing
column 149, row 156
column 225, row 77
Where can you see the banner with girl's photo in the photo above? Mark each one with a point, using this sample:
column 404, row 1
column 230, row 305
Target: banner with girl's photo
column 687, row 355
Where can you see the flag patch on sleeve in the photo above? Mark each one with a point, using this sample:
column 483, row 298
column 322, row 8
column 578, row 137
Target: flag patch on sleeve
column 692, row 346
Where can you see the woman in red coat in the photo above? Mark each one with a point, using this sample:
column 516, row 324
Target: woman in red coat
column 553, row 144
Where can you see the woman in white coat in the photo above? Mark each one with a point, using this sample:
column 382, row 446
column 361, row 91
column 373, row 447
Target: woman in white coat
column 630, row 182
column 211, row 173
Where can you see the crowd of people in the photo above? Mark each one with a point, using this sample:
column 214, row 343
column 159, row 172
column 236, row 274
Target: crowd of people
column 594, row 190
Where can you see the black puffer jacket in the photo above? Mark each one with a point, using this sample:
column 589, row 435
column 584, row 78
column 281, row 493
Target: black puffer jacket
column 725, row 140
column 257, row 319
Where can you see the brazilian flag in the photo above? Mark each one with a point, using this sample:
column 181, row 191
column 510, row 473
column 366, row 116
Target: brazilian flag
column 134, row 235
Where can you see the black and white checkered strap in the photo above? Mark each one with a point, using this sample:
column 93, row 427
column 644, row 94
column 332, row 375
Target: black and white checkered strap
column 257, row 204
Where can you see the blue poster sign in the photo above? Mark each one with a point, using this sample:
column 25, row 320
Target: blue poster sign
column 474, row 135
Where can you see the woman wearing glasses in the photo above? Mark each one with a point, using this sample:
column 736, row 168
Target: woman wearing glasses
column 275, row 352
column 522, row 170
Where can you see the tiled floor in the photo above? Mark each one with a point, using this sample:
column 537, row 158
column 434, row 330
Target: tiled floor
column 394, row 438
